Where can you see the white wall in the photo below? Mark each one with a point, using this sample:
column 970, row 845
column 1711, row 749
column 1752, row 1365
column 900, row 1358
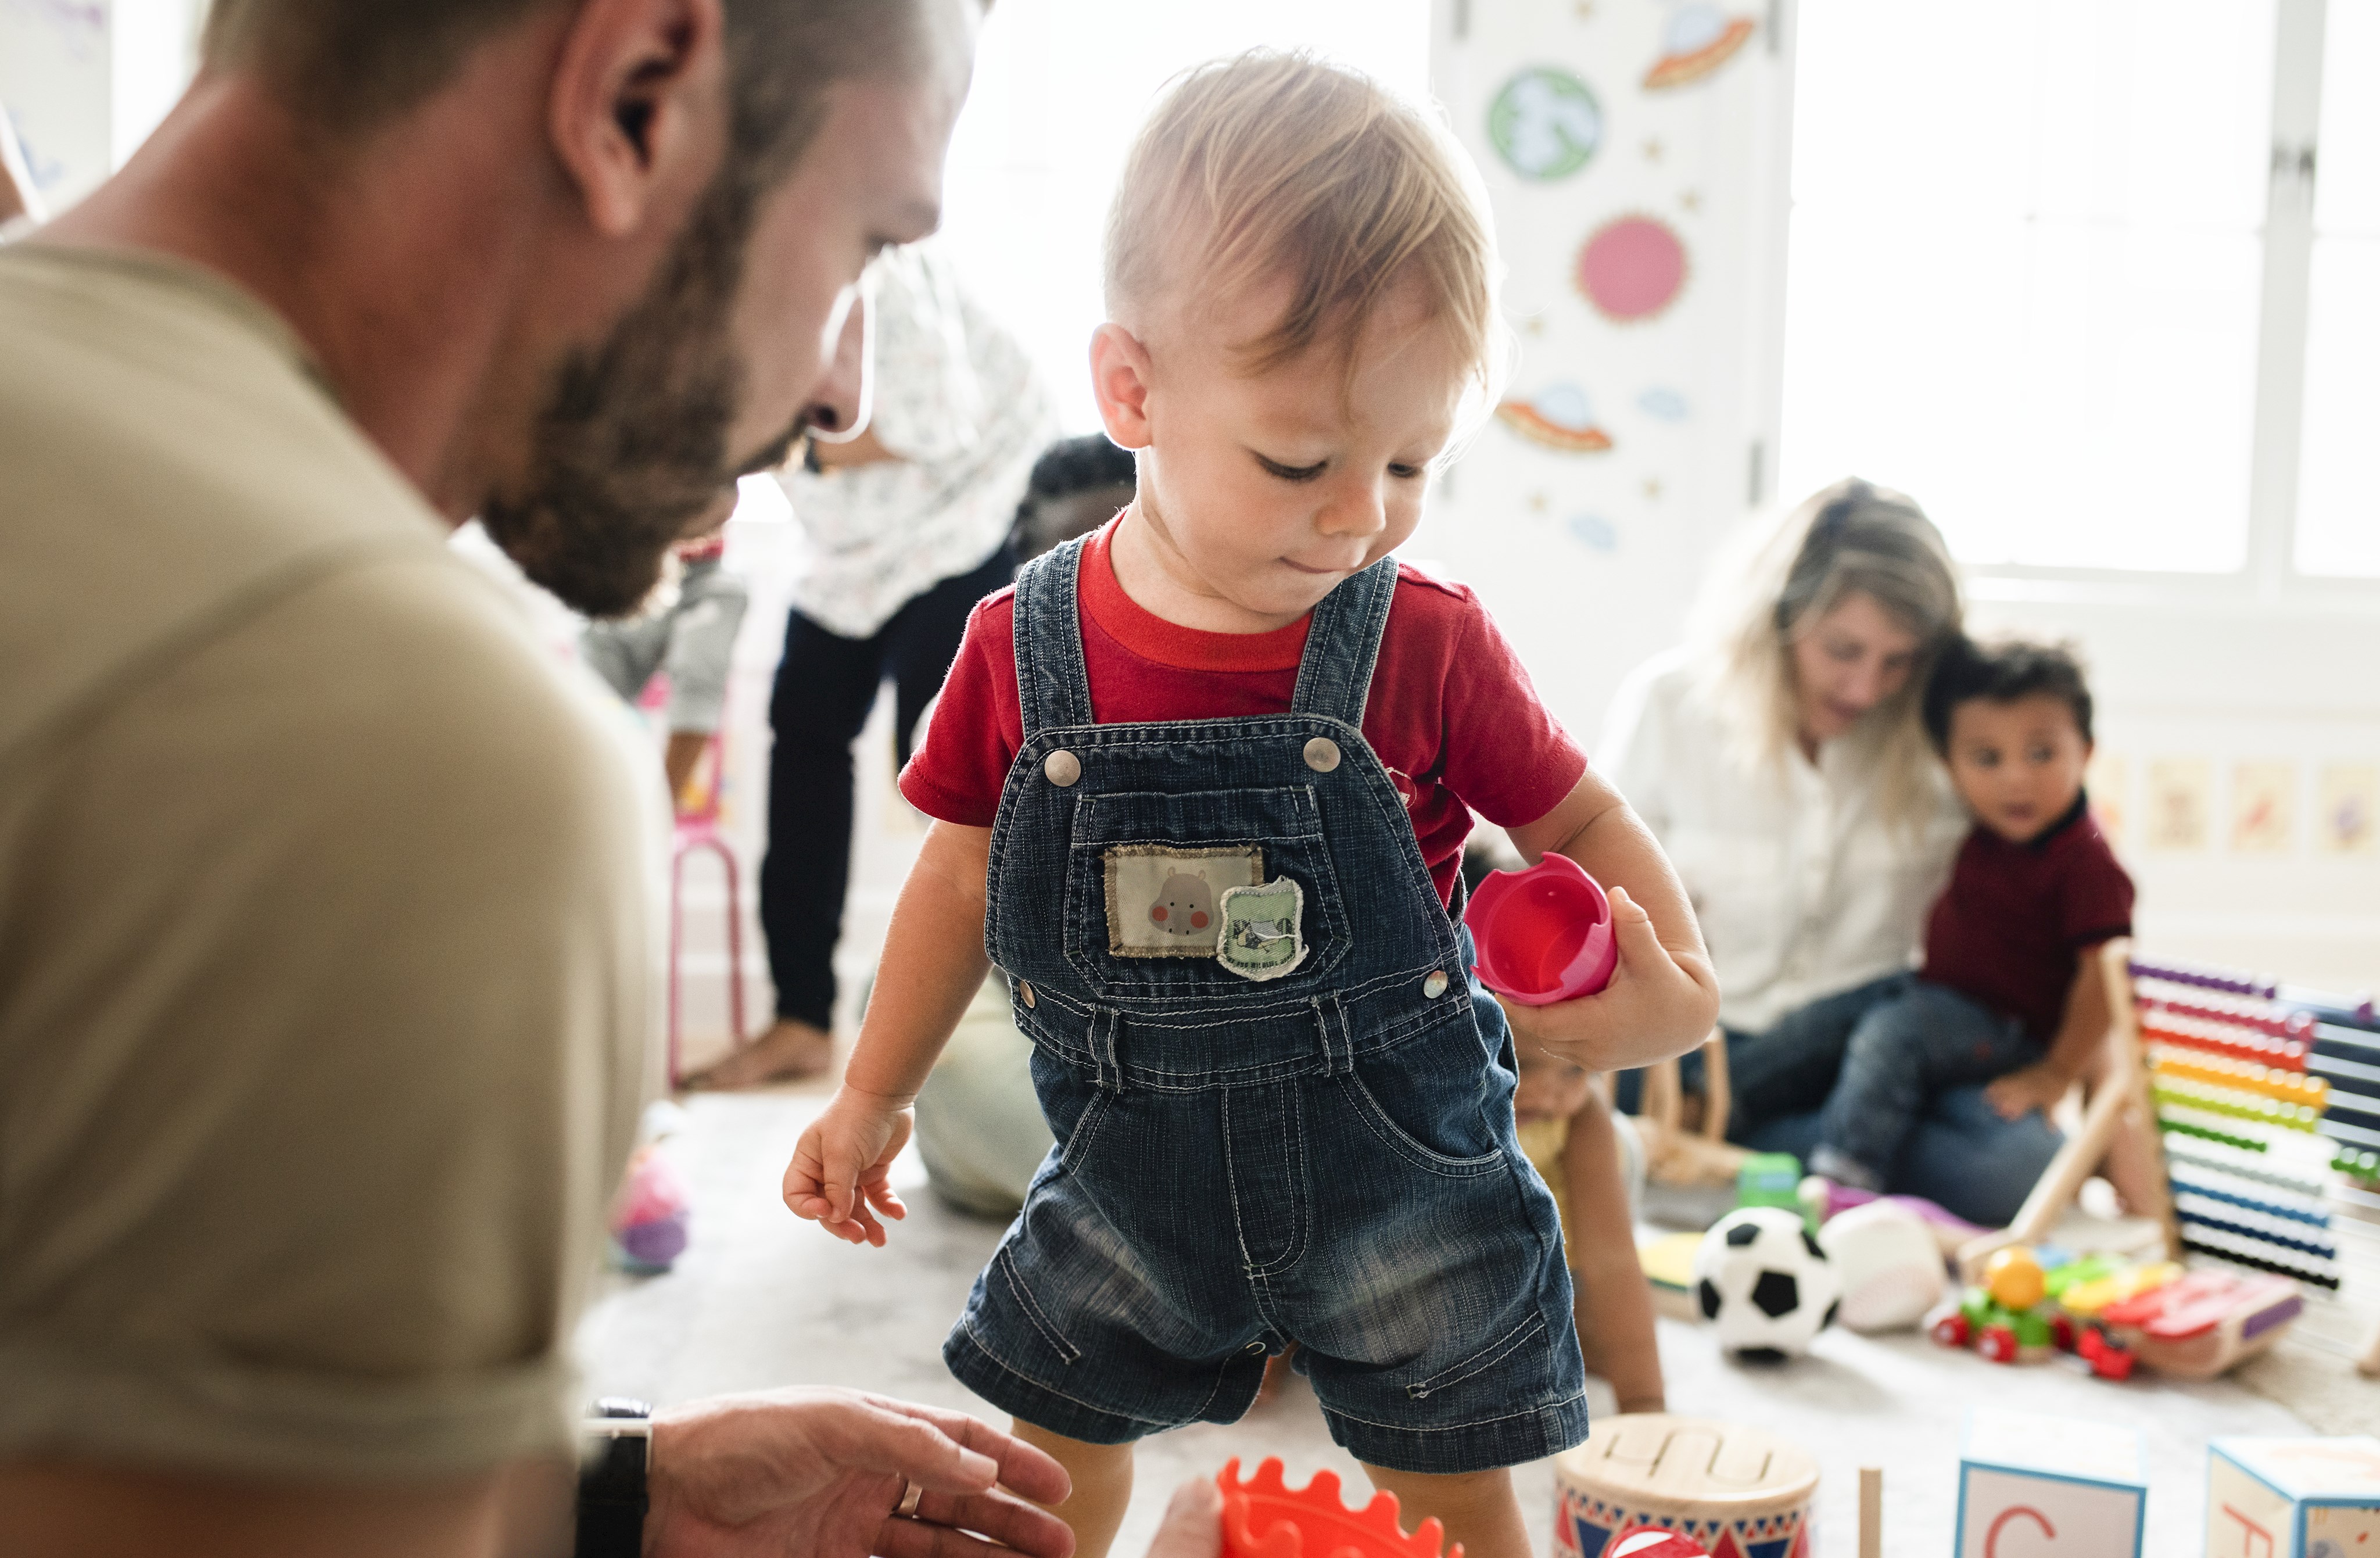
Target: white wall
column 1589, row 559
column 84, row 81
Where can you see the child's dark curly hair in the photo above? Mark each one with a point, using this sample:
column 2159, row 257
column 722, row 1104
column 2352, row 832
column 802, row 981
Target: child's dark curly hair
column 2002, row 672
column 1078, row 486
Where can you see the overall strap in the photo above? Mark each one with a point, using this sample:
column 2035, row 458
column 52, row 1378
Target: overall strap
column 1342, row 643
column 1053, row 689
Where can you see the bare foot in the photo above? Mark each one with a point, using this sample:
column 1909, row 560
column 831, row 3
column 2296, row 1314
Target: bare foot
column 789, row 1051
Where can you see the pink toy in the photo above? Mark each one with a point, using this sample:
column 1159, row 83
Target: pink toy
column 649, row 1218
column 1544, row 934
column 1262, row 1518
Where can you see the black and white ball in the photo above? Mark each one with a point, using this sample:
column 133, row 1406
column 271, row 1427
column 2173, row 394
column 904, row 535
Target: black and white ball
column 1765, row 1283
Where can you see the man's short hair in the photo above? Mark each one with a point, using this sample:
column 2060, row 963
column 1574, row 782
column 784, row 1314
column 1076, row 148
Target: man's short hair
column 349, row 66
column 2003, row 672
column 1275, row 166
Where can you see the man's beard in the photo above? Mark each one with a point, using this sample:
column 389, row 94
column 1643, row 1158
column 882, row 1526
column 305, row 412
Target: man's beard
column 632, row 443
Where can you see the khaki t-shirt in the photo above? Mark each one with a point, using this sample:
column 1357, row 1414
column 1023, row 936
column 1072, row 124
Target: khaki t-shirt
column 324, row 958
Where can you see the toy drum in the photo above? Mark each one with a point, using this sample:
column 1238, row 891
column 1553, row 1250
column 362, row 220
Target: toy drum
column 1738, row 1491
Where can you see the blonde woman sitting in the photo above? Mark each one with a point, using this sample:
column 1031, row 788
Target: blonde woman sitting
column 1780, row 759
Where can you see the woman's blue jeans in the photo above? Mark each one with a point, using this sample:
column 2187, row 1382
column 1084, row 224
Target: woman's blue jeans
column 1961, row 1154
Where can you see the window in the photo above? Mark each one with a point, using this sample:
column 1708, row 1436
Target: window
column 2338, row 479
column 2048, row 273
column 1060, row 88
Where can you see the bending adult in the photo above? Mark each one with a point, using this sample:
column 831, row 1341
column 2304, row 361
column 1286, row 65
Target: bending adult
column 906, row 528
column 324, row 944
column 1781, row 761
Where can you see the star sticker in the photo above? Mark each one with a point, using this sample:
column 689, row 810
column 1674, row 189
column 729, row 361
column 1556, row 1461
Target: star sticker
column 1538, row 502
column 1652, row 151
column 1586, row 9
column 1691, row 200
column 1534, row 325
column 1652, row 489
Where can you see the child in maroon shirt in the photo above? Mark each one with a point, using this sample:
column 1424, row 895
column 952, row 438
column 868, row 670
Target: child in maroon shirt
column 2011, row 994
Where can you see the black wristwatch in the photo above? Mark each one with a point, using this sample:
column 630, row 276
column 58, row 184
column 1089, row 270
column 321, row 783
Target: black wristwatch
column 611, row 1492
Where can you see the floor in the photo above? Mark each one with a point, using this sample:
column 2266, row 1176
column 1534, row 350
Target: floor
column 763, row 1300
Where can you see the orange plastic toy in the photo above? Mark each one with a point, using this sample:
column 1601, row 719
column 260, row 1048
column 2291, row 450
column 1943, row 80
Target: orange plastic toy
column 1262, row 1518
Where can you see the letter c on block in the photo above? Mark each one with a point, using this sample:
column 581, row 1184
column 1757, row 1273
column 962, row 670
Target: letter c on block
column 1992, row 1537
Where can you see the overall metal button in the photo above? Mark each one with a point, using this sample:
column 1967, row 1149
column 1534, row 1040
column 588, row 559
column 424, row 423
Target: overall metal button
column 1255, row 1346
column 1062, row 768
column 1322, row 754
column 1025, row 992
column 1433, row 986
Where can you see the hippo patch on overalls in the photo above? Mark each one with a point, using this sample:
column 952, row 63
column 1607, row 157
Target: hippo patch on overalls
column 1264, row 933
column 1165, row 902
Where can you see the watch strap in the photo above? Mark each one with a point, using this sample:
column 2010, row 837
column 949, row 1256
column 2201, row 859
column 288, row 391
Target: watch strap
column 613, row 1492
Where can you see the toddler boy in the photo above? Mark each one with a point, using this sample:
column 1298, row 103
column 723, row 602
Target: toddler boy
column 1201, row 783
column 2011, row 992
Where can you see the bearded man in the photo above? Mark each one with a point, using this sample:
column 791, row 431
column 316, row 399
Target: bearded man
column 324, row 986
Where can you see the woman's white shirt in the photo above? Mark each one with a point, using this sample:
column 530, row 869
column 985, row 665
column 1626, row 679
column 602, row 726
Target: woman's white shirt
column 1802, row 888
column 958, row 402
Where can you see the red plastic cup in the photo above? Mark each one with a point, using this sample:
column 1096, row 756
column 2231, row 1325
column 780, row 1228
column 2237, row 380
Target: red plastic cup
column 1544, row 934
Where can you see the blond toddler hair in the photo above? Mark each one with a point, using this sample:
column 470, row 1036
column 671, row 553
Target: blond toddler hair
column 1278, row 167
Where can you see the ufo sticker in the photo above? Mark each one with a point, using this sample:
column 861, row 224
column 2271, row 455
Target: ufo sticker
column 1545, row 124
column 1697, row 40
column 1560, row 418
column 1632, row 268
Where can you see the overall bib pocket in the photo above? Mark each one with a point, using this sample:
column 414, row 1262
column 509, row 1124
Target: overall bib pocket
column 1155, row 882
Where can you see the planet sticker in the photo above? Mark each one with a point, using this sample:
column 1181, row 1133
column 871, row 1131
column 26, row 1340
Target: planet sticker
column 1632, row 268
column 1663, row 404
column 1697, row 40
column 1545, row 124
column 1559, row 417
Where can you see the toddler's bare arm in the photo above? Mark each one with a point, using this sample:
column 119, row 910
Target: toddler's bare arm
column 1614, row 1302
column 933, row 964
column 2081, row 1038
column 1663, row 997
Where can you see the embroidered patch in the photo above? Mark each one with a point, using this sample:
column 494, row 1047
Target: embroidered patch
column 1162, row 900
column 1264, row 934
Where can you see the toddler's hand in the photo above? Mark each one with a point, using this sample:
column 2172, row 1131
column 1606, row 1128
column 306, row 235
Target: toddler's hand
column 839, row 1177
column 1657, row 1006
column 2026, row 1090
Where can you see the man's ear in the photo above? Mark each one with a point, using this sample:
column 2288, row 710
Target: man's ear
column 1120, row 378
column 639, row 110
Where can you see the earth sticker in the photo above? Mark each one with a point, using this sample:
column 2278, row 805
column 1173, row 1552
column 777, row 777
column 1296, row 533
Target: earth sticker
column 1263, row 938
column 1545, row 124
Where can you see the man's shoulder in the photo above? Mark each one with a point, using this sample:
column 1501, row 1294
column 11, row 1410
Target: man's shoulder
column 170, row 471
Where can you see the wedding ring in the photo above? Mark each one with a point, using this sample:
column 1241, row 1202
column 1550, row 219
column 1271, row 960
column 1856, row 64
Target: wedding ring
column 911, row 1495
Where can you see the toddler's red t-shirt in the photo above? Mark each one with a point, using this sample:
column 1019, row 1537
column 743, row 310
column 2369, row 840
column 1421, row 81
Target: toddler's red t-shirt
column 1450, row 712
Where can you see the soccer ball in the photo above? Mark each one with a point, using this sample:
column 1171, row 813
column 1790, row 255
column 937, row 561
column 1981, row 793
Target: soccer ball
column 1765, row 1283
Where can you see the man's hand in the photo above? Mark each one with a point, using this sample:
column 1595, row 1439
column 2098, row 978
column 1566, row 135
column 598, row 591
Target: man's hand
column 2038, row 1085
column 840, row 1174
column 819, row 1474
column 1659, row 1002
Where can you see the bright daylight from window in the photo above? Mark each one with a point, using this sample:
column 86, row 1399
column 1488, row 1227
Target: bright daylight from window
column 2339, row 483
column 2024, row 271
column 1060, row 87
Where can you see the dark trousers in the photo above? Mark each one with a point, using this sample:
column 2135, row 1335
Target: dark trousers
column 825, row 685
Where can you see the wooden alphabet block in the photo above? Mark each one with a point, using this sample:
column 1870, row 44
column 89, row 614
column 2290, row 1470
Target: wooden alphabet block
column 2293, row 1498
column 2039, row 1487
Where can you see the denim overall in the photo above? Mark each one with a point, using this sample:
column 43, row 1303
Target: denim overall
column 1322, row 1153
